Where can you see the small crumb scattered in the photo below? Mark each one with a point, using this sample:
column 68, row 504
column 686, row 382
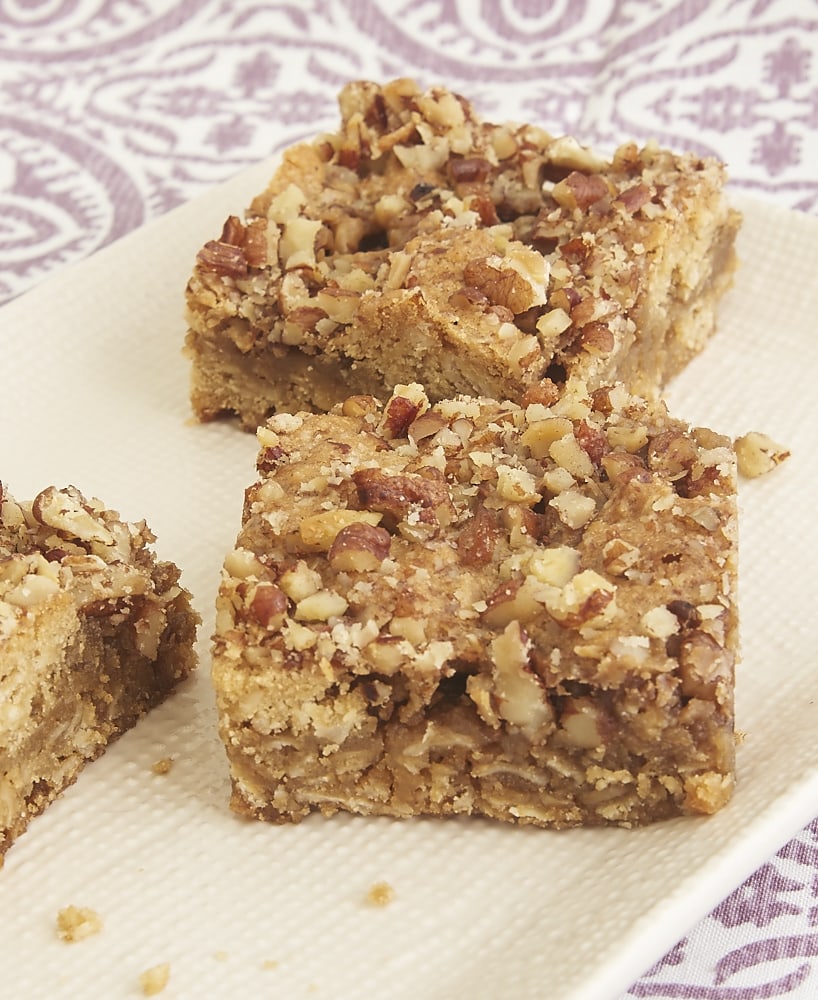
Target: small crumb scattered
column 162, row 766
column 155, row 979
column 220, row 956
column 380, row 894
column 269, row 963
column 75, row 923
column 757, row 454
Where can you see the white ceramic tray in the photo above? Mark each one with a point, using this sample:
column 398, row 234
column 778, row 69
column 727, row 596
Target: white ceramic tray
column 93, row 391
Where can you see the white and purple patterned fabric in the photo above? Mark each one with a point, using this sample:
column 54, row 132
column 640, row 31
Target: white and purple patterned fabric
column 114, row 111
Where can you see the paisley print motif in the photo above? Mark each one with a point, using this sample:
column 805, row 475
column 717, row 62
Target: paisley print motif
column 146, row 104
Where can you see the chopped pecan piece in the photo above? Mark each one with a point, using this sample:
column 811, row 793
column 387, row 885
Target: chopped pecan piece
column 300, row 321
column 671, row 453
column 544, row 392
column 511, row 281
column 596, row 338
column 697, row 482
column 580, row 190
column 468, row 169
column 359, row 547
column 254, row 243
column 633, row 198
column 233, row 231
column 270, row 458
column 621, row 467
column 238, row 248
column 592, row 440
column 702, row 663
column 590, row 608
column 476, row 542
column 485, row 208
column 399, row 415
column 400, row 496
column 222, row 258
column 576, row 250
column 758, row 454
column 468, row 295
column 687, row 613
column 268, row 605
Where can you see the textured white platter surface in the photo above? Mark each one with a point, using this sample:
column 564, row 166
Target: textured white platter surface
column 93, row 391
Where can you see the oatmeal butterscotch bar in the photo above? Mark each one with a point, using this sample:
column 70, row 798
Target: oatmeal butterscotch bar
column 419, row 243
column 94, row 631
column 524, row 611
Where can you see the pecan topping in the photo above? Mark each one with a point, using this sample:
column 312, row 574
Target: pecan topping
column 579, row 190
column 601, row 400
column 421, row 190
column 504, row 284
column 238, row 248
column 621, row 467
column 223, row 258
column 565, row 298
column 469, row 169
column 686, row 612
column 270, row 458
column 359, row 406
column 590, row 608
column 503, row 593
column 671, row 453
column 596, row 338
column 584, row 312
column 576, row 250
column 697, row 485
column 232, row 231
column 468, row 295
column 400, row 495
column 500, row 286
column 634, row 198
column 485, row 208
column 475, row 543
column 268, row 605
column 544, row 392
column 592, row 440
column 400, row 412
column 305, row 317
column 255, row 243
column 587, row 190
column 359, row 547
column 376, row 114
column 702, row 662
column 349, row 157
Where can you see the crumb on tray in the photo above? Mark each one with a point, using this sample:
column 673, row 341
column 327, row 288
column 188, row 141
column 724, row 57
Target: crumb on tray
column 380, row 894
column 75, row 923
column 155, row 979
column 757, row 454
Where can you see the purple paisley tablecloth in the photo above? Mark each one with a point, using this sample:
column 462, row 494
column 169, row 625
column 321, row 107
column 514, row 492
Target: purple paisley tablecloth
column 114, row 111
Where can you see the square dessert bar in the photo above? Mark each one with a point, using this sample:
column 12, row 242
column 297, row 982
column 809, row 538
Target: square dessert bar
column 94, row 631
column 419, row 243
column 523, row 611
